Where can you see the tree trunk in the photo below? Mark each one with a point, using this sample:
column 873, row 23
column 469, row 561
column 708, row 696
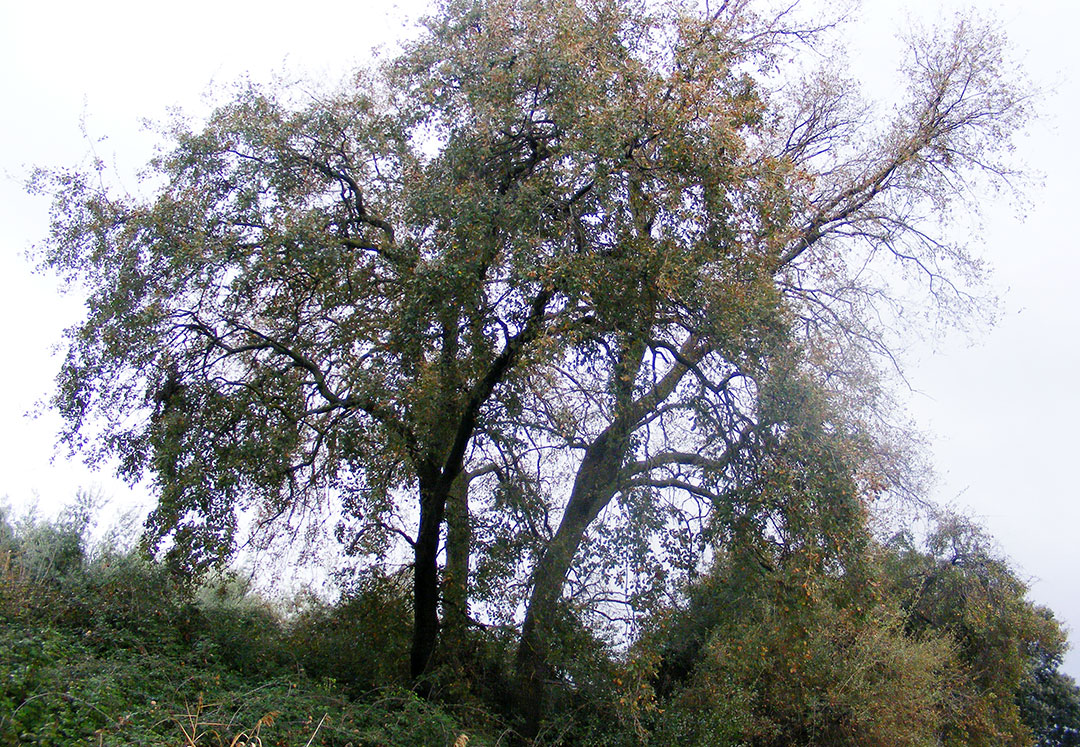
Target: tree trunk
column 456, row 574
column 433, row 496
column 594, row 488
column 596, row 484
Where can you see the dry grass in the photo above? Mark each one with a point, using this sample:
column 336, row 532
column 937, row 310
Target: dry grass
column 195, row 729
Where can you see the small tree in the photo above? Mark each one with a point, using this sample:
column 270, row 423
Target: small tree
column 960, row 587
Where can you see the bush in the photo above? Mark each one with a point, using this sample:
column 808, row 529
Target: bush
column 99, row 644
column 788, row 656
column 362, row 640
column 234, row 626
column 57, row 691
column 112, row 597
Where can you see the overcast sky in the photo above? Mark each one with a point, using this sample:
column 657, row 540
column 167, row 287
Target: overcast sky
column 1001, row 406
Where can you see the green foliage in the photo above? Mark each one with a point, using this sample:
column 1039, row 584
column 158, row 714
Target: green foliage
column 112, row 598
column 57, row 691
column 103, row 648
column 233, row 626
column 794, row 656
column 897, row 644
column 795, row 643
column 1049, row 700
column 961, row 587
column 361, row 640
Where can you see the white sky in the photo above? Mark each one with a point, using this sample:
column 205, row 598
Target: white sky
column 1001, row 409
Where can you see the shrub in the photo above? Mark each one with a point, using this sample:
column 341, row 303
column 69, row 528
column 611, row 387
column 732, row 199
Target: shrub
column 100, row 645
column 362, row 640
column 788, row 656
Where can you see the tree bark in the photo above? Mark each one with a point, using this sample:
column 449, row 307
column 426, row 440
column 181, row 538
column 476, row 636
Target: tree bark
column 456, row 574
column 426, row 580
column 436, row 482
column 594, row 488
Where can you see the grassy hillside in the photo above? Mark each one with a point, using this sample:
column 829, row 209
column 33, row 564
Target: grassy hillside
column 102, row 647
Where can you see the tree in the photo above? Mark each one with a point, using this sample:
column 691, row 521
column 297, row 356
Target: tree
column 1049, row 700
column 596, row 264
column 739, row 240
column 1005, row 647
column 791, row 655
column 884, row 643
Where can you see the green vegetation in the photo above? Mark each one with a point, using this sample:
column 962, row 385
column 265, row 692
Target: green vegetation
column 574, row 322
column 102, row 646
column 907, row 647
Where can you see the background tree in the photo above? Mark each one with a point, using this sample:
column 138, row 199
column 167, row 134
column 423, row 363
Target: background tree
column 959, row 586
column 1049, row 700
column 868, row 643
column 788, row 655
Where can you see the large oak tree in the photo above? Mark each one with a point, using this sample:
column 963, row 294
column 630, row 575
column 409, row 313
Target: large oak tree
column 573, row 274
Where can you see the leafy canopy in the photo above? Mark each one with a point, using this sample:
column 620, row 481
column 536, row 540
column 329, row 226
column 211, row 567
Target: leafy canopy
column 597, row 287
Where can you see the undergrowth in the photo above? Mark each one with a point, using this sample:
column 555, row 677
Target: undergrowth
column 99, row 645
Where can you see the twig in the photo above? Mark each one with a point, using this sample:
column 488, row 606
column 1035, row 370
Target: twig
column 316, row 731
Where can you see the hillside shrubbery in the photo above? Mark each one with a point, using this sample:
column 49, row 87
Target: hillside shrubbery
column 904, row 646
column 101, row 645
